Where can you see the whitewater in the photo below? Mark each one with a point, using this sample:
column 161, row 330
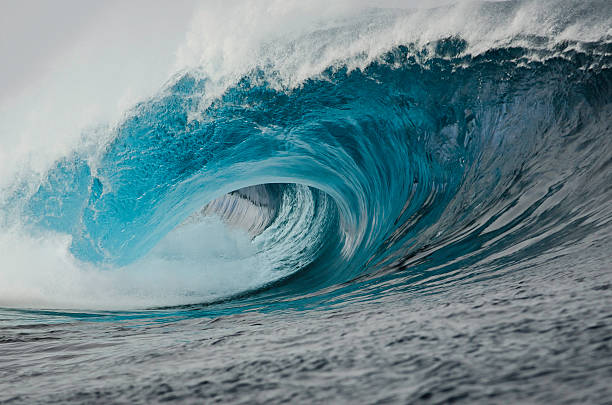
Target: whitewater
column 332, row 202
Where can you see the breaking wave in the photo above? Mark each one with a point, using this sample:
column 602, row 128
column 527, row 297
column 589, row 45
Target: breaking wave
column 373, row 148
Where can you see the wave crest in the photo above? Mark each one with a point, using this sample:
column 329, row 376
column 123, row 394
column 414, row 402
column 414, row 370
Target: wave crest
column 454, row 157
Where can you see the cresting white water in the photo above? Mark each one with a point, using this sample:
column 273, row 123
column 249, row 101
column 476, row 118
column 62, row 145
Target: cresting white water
column 125, row 56
column 89, row 86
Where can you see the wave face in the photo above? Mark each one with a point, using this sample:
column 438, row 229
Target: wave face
column 410, row 159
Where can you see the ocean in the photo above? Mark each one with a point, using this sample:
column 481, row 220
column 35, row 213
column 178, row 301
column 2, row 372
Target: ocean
column 322, row 204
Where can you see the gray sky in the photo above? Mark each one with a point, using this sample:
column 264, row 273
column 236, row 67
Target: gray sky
column 35, row 34
column 31, row 31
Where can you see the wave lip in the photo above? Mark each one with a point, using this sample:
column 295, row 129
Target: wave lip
column 416, row 157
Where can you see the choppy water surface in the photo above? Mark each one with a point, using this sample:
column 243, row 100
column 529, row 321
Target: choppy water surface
column 390, row 205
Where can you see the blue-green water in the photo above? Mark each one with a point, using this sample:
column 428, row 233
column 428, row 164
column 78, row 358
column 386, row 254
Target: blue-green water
column 432, row 226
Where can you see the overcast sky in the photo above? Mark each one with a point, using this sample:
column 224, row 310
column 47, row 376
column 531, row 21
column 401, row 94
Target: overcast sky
column 35, row 35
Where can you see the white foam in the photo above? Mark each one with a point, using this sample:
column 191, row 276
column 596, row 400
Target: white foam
column 126, row 51
column 123, row 53
column 298, row 40
column 195, row 263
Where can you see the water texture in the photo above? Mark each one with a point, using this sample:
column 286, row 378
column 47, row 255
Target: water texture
column 387, row 205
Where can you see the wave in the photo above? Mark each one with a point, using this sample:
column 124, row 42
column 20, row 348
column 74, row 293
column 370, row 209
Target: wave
column 378, row 145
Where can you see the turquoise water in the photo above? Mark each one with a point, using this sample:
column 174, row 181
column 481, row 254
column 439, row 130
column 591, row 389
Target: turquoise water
column 427, row 222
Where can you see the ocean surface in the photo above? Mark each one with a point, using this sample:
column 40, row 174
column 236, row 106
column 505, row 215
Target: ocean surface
column 383, row 204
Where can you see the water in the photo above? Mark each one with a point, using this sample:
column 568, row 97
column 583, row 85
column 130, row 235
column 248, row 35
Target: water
column 346, row 205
